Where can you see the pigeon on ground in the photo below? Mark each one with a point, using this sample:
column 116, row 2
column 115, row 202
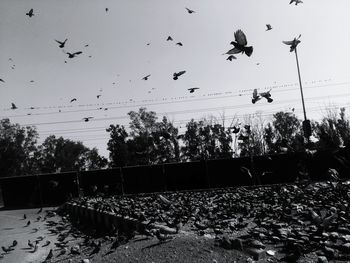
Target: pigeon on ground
column 240, row 44
column 24, row 216
column 30, row 244
column 13, row 106
column 146, row 77
column 40, row 210
column 72, row 55
column 296, row 2
column 189, row 10
column 46, row 243
column 28, row 223
column 192, row 89
column 86, row 119
column 293, row 43
column 61, row 43
column 268, row 27
column 178, row 74
column 7, row 250
column 14, row 243
column 30, row 13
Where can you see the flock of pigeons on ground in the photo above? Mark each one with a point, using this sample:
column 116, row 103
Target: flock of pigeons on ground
column 240, row 46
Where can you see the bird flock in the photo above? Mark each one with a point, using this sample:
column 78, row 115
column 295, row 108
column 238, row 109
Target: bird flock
column 240, row 46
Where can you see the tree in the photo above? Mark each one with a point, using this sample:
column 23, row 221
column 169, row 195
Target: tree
column 118, row 146
column 17, row 148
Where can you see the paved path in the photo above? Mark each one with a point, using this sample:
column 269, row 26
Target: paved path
column 12, row 227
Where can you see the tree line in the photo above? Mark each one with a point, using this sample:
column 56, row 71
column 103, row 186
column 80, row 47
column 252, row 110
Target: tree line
column 149, row 141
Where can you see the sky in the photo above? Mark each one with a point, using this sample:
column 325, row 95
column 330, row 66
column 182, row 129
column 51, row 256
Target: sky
column 128, row 41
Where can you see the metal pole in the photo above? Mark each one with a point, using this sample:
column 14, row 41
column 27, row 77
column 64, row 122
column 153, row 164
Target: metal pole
column 301, row 87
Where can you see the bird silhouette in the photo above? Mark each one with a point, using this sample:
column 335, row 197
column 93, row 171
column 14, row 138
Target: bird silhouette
column 146, row 77
column 256, row 97
column 106, row 9
column 14, row 243
column 192, row 89
column 178, row 74
column 189, row 10
column 179, row 44
column 2, row 80
column 30, row 244
column 24, row 216
column 169, row 38
column 13, row 106
column 72, row 55
column 7, row 250
column 32, row 81
column 30, row 13
column 46, row 243
column 268, row 27
column 231, row 57
column 74, row 99
column 86, row 119
column 240, row 44
column 40, row 210
column 267, row 96
column 28, row 223
column 293, row 43
column 62, row 43
column 98, row 96
column 296, row 2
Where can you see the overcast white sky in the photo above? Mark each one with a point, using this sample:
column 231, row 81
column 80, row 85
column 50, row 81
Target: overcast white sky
column 117, row 43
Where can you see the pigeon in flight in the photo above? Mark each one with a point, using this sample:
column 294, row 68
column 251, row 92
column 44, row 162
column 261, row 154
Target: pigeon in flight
column 98, row 96
column 178, row 74
column 72, row 55
column 106, row 9
column 62, row 43
column 13, row 106
column 296, row 2
column 256, row 97
column 240, row 44
column 30, row 13
column 192, row 89
column 189, row 10
column 293, row 43
column 32, row 81
column 169, row 38
column 179, row 44
column 267, row 96
column 268, row 27
column 86, row 119
column 74, row 99
column 2, row 80
column 231, row 57
column 146, row 77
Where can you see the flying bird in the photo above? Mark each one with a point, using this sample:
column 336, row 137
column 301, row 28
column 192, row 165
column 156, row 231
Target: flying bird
column 192, row 89
column 74, row 99
column 293, row 43
column 178, row 74
column 86, row 119
column 106, row 9
column 296, row 2
column 231, row 57
column 179, row 44
column 268, row 27
column 30, row 13
column 62, row 43
column 256, row 97
column 98, row 96
column 2, row 80
column 169, row 38
column 267, row 96
column 189, row 10
column 72, row 55
column 13, row 106
column 146, row 77
column 240, row 44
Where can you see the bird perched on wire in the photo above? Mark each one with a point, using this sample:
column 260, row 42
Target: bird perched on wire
column 30, row 13
column 231, row 57
column 62, row 43
column 293, row 43
column 190, row 11
column 72, row 55
column 296, row 2
column 256, row 97
column 13, row 106
column 178, row 74
column 240, row 44
column 86, row 119
column 146, row 77
column 192, row 89
column 267, row 96
column 268, row 27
